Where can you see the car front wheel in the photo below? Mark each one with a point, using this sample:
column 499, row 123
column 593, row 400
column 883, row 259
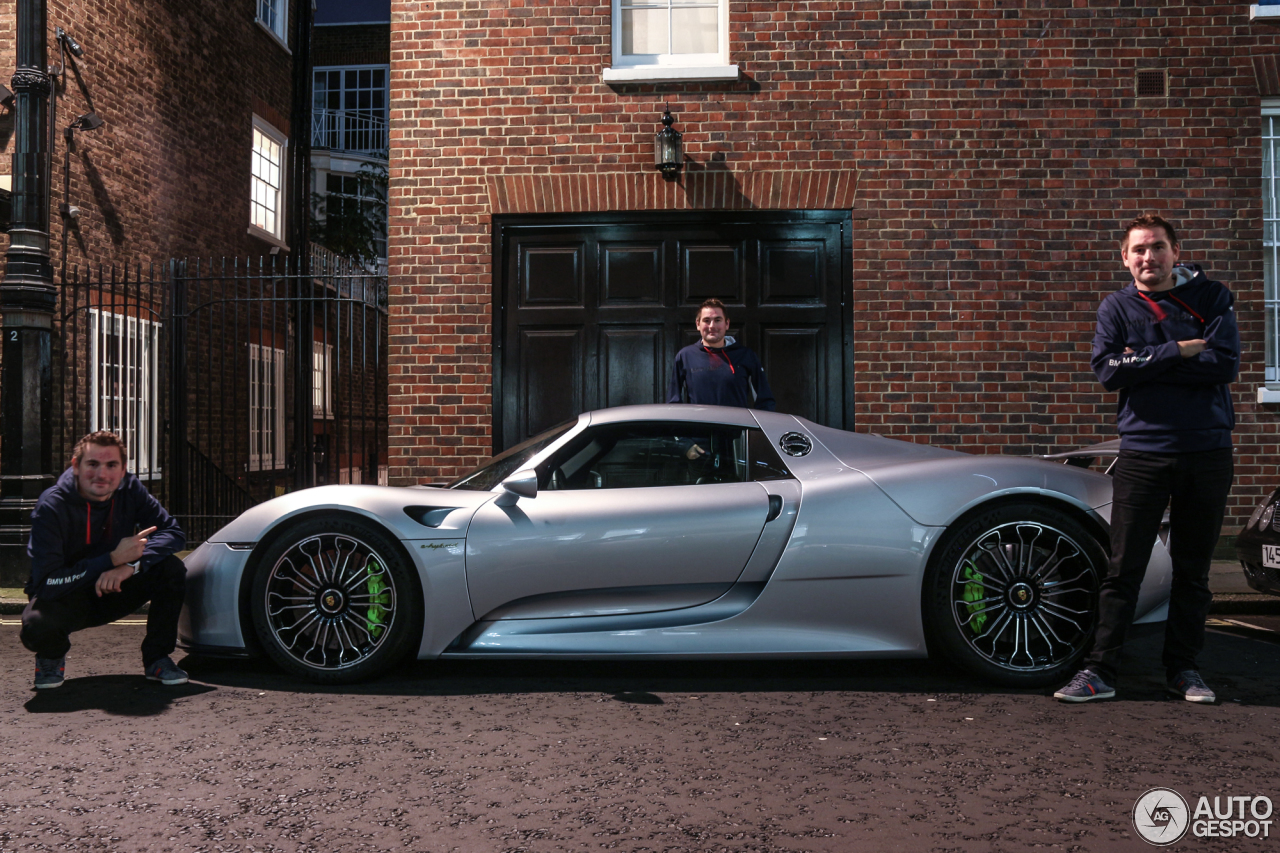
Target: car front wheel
column 334, row 602
column 1012, row 594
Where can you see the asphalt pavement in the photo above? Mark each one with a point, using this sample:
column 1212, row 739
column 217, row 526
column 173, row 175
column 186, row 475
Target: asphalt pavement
column 548, row 756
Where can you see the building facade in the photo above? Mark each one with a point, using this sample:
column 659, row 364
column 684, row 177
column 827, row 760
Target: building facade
column 912, row 208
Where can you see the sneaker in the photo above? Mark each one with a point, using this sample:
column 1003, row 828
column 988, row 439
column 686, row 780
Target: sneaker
column 1190, row 686
column 1085, row 687
column 49, row 672
column 166, row 671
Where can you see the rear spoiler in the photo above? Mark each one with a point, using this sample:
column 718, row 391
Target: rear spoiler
column 1084, row 457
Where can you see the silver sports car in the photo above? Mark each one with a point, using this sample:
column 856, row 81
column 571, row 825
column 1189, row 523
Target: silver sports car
column 676, row 531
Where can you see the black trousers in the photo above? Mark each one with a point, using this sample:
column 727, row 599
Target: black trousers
column 1194, row 486
column 47, row 625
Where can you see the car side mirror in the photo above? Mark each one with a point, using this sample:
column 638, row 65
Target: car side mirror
column 521, row 484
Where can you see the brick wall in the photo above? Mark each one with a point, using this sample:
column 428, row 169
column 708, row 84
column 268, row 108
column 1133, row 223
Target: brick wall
column 996, row 147
column 167, row 175
column 360, row 44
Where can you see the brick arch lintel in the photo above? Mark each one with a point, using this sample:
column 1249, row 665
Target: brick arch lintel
column 1266, row 72
column 822, row 189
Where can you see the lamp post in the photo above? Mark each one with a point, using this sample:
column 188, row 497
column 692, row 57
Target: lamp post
column 27, row 300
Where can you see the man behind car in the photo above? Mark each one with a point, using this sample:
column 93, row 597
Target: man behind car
column 1168, row 343
column 718, row 370
column 101, row 546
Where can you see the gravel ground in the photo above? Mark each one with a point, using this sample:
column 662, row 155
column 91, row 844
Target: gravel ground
column 550, row 756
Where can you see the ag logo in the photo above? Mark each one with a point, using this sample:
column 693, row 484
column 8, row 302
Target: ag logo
column 1161, row 816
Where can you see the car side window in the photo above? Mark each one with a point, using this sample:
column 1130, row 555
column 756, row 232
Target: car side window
column 641, row 455
column 766, row 464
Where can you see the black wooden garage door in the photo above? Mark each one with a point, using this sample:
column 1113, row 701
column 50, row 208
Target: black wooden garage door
column 590, row 311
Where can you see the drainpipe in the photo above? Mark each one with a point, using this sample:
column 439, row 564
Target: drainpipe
column 27, row 300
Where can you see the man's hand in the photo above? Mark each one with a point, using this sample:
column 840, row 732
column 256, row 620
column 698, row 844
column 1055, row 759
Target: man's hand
column 130, row 548
column 110, row 581
column 694, row 452
column 1194, row 347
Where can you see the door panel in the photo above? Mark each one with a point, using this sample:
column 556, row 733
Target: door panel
column 632, row 550
column 581, row 303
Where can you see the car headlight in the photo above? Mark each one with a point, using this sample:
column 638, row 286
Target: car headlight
column 1267, row 513
column 1257, row 513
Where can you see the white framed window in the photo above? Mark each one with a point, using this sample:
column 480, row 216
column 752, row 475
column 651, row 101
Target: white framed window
column 349, row 108
column 322, row 379
column 266, row 408
column 350, row 476
column 1271, row 245
column 273, row 16
column 123, row 371
column 266, row 197
column 670, row 40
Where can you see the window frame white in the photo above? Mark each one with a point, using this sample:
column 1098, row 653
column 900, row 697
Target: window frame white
column 280, row 31
column 322, row 380
column 1270, row 187
column 670, row 67
column 266, row 414
column 264, row 128
column 141, row 439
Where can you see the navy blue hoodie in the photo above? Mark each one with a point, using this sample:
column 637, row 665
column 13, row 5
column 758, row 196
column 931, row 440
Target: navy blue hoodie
column 72, row 538
column 728, row 376
column 1170, row 404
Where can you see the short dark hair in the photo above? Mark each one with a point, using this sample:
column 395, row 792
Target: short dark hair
column 711, row 303
column 102, row 438
column 1149, row 221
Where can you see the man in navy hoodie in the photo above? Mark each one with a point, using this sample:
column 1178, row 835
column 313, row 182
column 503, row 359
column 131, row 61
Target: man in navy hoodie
column 718, row 371
column 101, row 546
column 1168, row 343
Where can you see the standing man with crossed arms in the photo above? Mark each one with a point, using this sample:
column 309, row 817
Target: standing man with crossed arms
column 1168, row 343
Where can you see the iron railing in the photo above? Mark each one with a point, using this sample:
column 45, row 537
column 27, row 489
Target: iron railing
column 340, row 130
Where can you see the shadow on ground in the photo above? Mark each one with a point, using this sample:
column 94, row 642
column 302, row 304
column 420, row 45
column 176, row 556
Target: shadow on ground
column 123, row 695
column 1242, row 669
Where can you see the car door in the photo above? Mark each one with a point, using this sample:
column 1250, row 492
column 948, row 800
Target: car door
column 629, row 518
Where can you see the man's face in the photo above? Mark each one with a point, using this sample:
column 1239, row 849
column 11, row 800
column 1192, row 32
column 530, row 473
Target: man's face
column 1150, row 257
column 98, row 472
column 712, row 325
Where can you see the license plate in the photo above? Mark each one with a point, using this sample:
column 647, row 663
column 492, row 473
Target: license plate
column 1271, row 556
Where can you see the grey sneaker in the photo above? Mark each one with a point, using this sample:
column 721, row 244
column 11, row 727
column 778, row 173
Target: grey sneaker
column 1190, row 686
column 166, row 671
column 49, row 672
column 1085, row 687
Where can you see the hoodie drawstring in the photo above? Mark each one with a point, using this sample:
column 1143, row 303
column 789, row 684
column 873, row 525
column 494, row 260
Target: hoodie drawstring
column 722, row 354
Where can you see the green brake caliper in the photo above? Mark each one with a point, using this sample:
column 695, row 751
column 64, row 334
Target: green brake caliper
column 974, row 589
column 375, row 616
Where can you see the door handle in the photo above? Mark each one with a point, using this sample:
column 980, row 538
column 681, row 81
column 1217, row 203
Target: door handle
column 775, row 508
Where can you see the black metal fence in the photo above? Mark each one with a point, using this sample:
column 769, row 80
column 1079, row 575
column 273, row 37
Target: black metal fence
column 232, row 382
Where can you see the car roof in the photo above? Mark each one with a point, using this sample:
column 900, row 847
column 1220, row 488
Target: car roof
column 731, row 415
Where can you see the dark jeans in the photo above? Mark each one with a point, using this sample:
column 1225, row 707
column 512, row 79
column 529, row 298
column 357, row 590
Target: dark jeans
column 1195, row 487
column 47, row 625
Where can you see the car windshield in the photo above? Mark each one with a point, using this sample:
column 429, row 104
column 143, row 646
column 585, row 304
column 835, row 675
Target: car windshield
column 509, row 461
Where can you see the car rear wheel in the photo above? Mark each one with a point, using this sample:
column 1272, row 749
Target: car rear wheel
column 1012, row 594
column 334, row 602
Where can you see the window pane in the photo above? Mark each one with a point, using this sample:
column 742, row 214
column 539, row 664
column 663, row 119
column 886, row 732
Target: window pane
column 629, row 456
column 1270, row 251
column 644, row 31
column 694, row 30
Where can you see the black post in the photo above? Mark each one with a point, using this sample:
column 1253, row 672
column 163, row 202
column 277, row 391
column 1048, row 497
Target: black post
column 179, row 457
column 28, row 300
column 299, row 241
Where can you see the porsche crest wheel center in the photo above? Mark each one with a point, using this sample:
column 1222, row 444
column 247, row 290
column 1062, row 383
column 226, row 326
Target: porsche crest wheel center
column 332, row 602
column 1022, row 595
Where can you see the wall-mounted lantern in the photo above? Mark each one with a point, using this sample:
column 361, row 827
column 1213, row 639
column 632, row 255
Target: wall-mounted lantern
column 667, row 156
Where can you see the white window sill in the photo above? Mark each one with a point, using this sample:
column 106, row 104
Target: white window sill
column 1268, row 395
column 1256, row 12
column 267, row 236
column 673, row 73
column 274, row 35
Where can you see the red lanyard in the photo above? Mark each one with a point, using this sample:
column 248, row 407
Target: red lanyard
column 88, row 515
column 1160, row 312
column 722, row 354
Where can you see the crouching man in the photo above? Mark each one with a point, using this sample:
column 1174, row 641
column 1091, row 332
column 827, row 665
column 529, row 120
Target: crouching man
column 101, row 546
